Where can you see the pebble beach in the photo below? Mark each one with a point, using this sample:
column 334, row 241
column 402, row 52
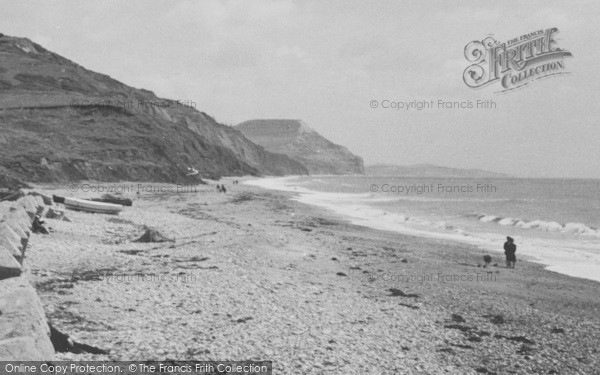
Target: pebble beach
column 253, row 275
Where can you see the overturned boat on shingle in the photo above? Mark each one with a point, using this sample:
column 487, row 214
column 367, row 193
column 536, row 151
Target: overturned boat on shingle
column 91, row 206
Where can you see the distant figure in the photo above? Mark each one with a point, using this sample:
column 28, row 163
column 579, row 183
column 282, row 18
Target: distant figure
column 223, row 190
column 38, row 226
column 236, row 182
column 218, row 188
column 509, row 250
column 487, row 260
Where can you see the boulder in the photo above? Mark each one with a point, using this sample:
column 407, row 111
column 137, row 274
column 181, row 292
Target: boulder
column 29, row 203
column 9, row 237
column 13, row 242
column 40, row 210
column 24, row 331
column 16, row 217
column 14, row 251
column 17, row 212
column 18, row 230
column 46, row 200
column 39, row 200
column 41, row 206
column 21, row 229
column 9, row 267
column 43, row 210
column 54, row 214
column 23, row 348
column 152, row 235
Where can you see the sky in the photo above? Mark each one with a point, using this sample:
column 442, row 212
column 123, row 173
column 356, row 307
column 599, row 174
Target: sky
column 326, row 62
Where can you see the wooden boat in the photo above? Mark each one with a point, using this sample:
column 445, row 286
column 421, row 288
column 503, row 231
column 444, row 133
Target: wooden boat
column 91, row 206
column 107, row 198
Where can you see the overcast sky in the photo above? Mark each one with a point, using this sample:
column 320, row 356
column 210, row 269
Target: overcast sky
column 325, row 61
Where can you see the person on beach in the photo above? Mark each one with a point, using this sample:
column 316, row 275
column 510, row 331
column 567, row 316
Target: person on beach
column 509, row 250
column 38, row 226
column 218, row 188
column 223, row 190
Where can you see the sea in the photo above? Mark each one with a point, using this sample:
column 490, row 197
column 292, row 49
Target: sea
column 555, row 222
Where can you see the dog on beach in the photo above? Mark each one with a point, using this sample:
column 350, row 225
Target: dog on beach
column 487, row 260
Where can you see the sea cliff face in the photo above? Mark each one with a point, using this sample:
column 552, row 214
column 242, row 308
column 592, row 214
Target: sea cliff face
column 297, row 140
column 61, row 122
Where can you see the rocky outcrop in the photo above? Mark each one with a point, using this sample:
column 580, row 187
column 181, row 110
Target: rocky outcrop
column 24, row 330
column 297, row 140
column 67, row 123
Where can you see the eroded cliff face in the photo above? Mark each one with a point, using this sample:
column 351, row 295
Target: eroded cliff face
column 61, row 122
column 301, row 143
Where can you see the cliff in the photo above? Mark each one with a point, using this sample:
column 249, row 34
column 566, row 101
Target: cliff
column 297, row 140
column 62, row 122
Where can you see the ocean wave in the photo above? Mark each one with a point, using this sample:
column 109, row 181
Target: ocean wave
column 547, row 226
column 574, row 256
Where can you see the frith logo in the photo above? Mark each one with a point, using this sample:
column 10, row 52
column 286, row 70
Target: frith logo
column 515, row 63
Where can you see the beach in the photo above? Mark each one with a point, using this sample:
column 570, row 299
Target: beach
column 255, row 275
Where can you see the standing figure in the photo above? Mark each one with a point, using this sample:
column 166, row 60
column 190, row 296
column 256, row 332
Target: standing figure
column 509, row 250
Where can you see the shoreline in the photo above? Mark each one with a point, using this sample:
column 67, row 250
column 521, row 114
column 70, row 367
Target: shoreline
column 385, row 221
column 269, row 278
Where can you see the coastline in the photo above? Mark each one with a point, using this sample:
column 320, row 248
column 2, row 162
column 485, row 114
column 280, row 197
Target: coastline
column 295, row 284
column 557, row 257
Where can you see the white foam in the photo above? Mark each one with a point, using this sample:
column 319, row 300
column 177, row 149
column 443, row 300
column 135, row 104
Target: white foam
column 506, row 221
column 573, row 257
column 547, row 226
column 579, row 228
